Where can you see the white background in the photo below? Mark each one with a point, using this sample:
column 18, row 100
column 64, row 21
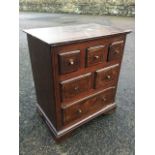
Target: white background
column 145, row 77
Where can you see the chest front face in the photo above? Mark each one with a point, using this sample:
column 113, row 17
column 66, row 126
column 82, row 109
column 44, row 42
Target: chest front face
column 88, row 69
column 76, row 71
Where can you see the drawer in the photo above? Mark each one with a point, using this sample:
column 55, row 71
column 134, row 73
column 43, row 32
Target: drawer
column 96, row 55
column 88, row 106
column 116, row 50
column 106, row 77
column 69, row 61
column 71, row 88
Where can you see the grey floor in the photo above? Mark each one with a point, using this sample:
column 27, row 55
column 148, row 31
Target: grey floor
column 109, row 135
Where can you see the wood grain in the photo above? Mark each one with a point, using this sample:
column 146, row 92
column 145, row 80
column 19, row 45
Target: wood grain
column 69, row 34
column 76, row 71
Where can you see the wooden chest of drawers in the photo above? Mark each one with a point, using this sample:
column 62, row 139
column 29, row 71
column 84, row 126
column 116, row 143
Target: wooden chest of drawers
column 75, row 70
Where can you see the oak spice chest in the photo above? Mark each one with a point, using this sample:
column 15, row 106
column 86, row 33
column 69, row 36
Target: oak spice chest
column 75, row 70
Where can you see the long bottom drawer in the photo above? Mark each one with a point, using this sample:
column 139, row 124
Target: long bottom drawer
column 88, row 106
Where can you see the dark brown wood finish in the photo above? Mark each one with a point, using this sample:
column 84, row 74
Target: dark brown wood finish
column 86, row 107
column 76, row 75
column 115, row 50
column 106, row 77
column 83, row 56
column 96, row 55
column 69, row 61
column 71, row 88
column 40, row 54
column 61, row 35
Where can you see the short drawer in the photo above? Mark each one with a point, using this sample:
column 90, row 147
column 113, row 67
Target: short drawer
column 74, row 87
column 96, row 55
column 116, row 50
column 88, row 106
column 69, row 61
column 106, row 77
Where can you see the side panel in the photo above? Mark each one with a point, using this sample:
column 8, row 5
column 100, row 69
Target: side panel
column 41, row 62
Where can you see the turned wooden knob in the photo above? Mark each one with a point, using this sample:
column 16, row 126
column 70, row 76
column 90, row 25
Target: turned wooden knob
column 104, row 98
column 116, row 51
column 71, row 61
column 108, row 77
column 96, row 57
column 76, row 88
column 79, row 111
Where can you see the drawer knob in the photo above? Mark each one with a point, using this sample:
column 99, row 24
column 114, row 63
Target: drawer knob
column 108, row 77
column 76, row 88
column 79, row 111
column 71, row 61
column 96, row 57
column 104, row 98
column 116, row 51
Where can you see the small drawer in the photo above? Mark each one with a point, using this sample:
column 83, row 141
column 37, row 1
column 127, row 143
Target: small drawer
column 96, row 55
column 106, row 77
column 116, row 50
column 71, row 88
column 69, row 61
column 88, row 106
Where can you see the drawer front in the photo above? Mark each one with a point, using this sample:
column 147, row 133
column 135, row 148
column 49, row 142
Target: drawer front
column 116, row 50
column 106, row 77
column 69, row 61
column 88, row 106
column 71, row 88
column 96, row 55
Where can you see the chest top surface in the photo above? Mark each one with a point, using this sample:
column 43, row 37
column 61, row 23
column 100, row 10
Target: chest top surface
column 73, row 33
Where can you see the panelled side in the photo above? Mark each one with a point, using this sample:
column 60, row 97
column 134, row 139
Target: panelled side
column 41, row 62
